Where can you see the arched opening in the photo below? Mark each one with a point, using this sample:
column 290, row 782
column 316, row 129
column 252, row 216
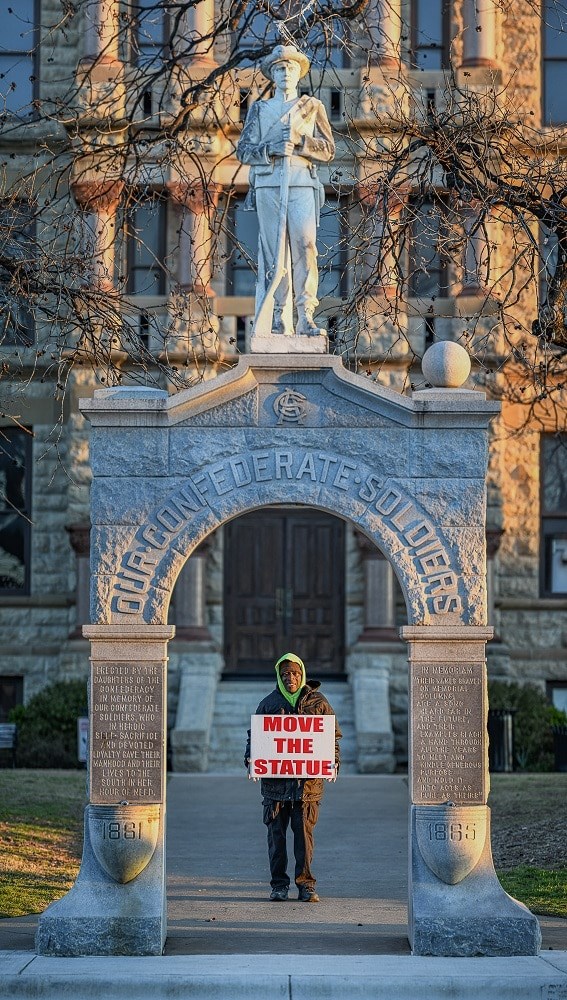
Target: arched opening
column 287, row 577
column 222, row 868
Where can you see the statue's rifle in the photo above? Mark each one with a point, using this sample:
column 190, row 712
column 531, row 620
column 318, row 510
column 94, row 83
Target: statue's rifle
column 265, row 314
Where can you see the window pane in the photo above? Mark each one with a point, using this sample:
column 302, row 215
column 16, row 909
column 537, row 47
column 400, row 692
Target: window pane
column 426, row 264
column 17, row 242
column 548, row 253
column 254, row 32
column 555, row 109
column 150, row 31
column 330, row 49
column 555, row 29
column 17, row 21
column 558, row 565
column 429, row 21
column 13, row 454
column 16, row 84
column 14, row 516
column 559, row 697
column 243, row 247
column 428, row 33
column 12, row 552
column 11, row 694
column 147, row 248
column 331, row 249
column 554, row 473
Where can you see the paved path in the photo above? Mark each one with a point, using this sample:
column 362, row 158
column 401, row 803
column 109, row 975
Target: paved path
column 218, row 878
column 218, row 882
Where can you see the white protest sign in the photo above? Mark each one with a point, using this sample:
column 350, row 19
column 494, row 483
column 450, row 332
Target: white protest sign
column 292, row 746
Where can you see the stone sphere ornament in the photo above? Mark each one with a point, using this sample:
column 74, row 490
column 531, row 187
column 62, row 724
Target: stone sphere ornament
column 446, row 365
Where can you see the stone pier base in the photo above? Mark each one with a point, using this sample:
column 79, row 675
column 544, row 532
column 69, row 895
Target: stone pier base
column 474, row 917
column 99, row 916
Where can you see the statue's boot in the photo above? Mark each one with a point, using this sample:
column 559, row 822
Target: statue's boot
column 306, row 325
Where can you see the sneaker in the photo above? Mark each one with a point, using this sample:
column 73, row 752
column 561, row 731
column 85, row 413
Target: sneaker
column 278, row 895
column 307, row 895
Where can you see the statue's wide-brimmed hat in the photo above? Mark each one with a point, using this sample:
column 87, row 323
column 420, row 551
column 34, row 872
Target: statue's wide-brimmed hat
column 284, row 53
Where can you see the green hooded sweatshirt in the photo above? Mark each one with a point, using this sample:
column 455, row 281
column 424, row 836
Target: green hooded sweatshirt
column 292, row 698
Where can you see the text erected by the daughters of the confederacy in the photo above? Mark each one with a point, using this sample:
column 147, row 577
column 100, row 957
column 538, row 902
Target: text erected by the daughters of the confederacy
column 126, row 732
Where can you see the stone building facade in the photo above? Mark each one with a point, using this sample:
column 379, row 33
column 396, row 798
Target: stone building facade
column 274, row 578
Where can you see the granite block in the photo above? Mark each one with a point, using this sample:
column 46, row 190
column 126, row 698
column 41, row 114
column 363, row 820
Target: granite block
column 129, row 451
column 456, row 453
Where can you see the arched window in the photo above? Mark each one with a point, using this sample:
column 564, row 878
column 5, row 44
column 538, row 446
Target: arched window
column 430, row 34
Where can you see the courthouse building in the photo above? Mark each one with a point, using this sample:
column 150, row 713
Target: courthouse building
column 169, row 234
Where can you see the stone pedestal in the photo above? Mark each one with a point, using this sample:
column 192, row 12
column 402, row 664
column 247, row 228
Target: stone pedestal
column 280, row 344
column 118, row 903
column 456, row 904
column 474, row 915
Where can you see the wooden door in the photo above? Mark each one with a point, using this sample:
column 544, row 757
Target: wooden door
column 284, row 591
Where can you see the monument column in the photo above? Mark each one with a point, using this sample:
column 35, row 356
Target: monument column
column 195, row 39
column 193, row 324
column 118, row 904
column 457, row 906
column 100, row 72
column 101, row 31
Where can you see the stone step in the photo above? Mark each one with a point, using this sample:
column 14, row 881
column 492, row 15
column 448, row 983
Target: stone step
column 237, row 700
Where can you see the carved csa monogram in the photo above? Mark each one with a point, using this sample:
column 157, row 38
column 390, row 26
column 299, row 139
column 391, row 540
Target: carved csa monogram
column 290, row 407
column 123, row 838
column 451, row 839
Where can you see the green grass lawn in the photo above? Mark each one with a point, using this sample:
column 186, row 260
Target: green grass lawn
column 41, row 821
column 532, row 809
column 542, row 891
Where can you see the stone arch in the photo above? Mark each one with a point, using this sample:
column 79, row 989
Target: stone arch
column 424, row 560
column 409, row 472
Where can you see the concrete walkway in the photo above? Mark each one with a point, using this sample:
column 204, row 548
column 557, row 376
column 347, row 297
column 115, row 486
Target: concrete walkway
column 218, row 882
column 227, row 941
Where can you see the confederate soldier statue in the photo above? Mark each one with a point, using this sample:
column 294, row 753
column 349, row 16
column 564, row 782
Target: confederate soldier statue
column 283, row 140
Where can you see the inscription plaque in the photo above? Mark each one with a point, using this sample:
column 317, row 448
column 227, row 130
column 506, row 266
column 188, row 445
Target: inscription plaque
column 126, row 732
column 448, row 727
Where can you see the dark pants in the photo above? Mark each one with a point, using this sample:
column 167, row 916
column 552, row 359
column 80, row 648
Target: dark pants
column 277, row 817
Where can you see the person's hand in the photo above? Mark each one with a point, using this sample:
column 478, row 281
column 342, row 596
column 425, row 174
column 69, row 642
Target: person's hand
column 283, row 148
column 251, row 777
column 290, row 134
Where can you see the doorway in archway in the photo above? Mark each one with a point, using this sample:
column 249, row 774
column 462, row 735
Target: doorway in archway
column 284, row 590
